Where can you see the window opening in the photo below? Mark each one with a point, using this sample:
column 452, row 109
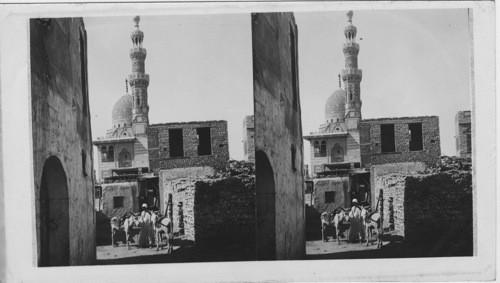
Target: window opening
column 387, row 138
column 176, row 143
column 204, row 141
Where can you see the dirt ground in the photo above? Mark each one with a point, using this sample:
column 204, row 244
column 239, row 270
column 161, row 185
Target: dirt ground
column 183, row 251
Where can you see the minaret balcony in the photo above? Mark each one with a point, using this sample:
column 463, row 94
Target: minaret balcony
column 352, row 74
column 351, row 45
column 138, row 50
column 138, row 79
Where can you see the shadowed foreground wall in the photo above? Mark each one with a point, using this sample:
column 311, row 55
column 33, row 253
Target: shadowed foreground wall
column 211, row 210
column 429, row 207
column 62, row 149
column 278, row 138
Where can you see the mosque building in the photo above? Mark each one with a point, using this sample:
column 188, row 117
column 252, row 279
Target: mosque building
column 124, row 149
column 336, row 144
column 133, row 151
column 347, row 149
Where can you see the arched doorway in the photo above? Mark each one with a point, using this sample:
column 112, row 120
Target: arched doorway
column 54, row 215
column 265, row 207
column 337, row 153
column 124, row 158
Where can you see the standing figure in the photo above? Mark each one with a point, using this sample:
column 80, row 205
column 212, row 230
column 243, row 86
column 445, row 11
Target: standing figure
column 147, row 235
column 356, row 231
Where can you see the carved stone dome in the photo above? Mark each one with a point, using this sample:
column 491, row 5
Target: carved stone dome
column 122, row 111
column 335, row 106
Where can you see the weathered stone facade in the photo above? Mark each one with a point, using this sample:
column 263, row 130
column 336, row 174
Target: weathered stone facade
column 428, row 207
column 463, row 134
column 128, row 191
column 278, row 138
column 248, row 138
column 338, row 187
column 211, row 210
column 159, row 147
column 382, row 169
column 371, row 144
column 62, row 149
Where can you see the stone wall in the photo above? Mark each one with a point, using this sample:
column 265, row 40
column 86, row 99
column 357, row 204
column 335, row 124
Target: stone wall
column 128, row 190
column 158, row 144
column 279, row 148
column 62, row 149
column 429, row 207
column 338, row 185
column 462, row 131
column 370, row 140
column 225, row 211
column 248, row 138
column 383, row 169
column 216, row 209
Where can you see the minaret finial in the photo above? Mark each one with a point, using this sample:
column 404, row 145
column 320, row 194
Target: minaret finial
column 137, row 19
column 349, row 16
column 126, row 85
column 340, row 85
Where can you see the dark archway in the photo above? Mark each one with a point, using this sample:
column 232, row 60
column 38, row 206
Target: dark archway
column 124, row 158
column 265, row 207
column 54, row 215
column 337, row 153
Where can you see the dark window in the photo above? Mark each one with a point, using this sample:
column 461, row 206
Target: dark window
column 316, row 149
column 329, row 197
column 204, row 141
column 322, row 151
column 98, row 192
column 118, row 202
column 111, row 154
column 83, row 69
column 104, row 154
column 416, row 142
column 293, row 54
column 293, row 152
column 175, row 143
column 84, row 163
column 387, row 138
column 469, row 144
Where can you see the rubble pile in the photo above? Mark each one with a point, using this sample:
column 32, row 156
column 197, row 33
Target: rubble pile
column 453, row 163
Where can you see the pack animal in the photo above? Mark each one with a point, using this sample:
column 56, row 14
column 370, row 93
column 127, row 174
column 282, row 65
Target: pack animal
column 372, row 223
column 338, row 221
column 163, row 226
column 128, row 224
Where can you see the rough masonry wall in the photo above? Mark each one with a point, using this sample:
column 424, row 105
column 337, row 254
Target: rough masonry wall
column 383, row 169
column 61, row 126
column 128, row 190
column 339, row 185
column 248, row 138
column 216, row 210
column 278, row 130
column 158, row 144
column 437, row 204
column 371, row 153
column 225, row 211
column 462, row 129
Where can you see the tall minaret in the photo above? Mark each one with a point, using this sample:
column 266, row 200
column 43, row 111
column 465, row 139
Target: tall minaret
column 139, row 81
column 351, row 76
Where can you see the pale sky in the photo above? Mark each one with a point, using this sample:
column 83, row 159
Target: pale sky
column 414, row 63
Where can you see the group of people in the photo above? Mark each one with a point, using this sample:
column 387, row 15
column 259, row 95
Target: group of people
column 352, row 219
